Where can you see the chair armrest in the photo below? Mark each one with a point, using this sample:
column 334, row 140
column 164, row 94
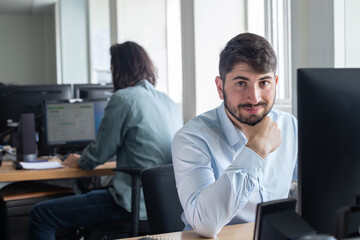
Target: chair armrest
column 135, row 173
column 130, row 170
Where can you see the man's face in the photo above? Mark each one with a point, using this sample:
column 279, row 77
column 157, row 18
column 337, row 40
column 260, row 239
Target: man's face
column 248, row 95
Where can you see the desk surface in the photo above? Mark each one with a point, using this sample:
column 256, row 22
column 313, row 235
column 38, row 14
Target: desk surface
column 9, row 174
column 234, row 232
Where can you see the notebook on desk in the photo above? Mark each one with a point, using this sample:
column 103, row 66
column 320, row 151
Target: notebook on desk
column 38, row 165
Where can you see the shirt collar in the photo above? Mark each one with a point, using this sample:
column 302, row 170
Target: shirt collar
column 232, row 133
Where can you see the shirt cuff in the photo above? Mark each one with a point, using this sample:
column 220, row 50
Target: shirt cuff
column 82, row 163
column 250, row 161
column 85, row 163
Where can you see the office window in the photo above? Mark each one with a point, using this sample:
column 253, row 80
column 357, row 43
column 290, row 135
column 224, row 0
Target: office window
column 215, row 23
column 268, row 18
column 99, row 41
column 155, row 25
column 271, row 19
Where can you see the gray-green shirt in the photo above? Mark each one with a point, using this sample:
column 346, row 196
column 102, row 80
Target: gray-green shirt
column 138, row 126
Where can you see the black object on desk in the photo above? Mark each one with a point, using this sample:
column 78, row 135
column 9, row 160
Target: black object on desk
column 348, row 221
column 278, row 220
column 17, row 165
column 26, row 142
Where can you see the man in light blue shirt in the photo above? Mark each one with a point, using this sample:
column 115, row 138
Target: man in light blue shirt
column 241, row 153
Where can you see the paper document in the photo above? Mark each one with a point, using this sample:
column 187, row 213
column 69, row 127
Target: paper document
column 41, row 165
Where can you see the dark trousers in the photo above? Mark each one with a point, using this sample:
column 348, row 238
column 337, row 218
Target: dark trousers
column 74, row 211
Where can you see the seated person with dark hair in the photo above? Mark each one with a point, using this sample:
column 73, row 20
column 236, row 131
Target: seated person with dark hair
column 138, row 126
column 241, row 153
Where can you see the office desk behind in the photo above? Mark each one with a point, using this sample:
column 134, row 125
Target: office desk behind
column 15, row 204
column 234, row 232
column 9, row 174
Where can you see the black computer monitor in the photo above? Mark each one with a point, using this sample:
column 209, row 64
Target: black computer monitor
column 73, row 124
column 93, row 91
column 18, row 99
column 278, row 220
column 329, row 143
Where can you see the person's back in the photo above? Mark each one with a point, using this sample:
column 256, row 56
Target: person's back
column 152, row 121
column 141, row 124
column 138, row 126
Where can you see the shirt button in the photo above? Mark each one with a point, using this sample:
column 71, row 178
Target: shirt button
column 261, row 188
column 259, row 169
column 246, row 194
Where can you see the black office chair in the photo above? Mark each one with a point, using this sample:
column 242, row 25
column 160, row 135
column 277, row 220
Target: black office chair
column 161, row 199
column 122, row 228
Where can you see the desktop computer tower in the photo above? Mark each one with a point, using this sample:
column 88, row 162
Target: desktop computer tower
column 26, row 149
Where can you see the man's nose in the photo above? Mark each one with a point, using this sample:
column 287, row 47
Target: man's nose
column 253, row 95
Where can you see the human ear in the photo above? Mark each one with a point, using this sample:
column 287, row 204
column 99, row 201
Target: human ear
column 276, row 79
column 219, row 87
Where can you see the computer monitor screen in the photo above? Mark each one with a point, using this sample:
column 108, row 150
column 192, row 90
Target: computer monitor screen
column 329, row 150
column 18, row 99
column 73, row 123
column 93, row 91
column 15, row 100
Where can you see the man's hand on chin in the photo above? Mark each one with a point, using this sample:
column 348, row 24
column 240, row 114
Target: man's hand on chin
column 264, row 137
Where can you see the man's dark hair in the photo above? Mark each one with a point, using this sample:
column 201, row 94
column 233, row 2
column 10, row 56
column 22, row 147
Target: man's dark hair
column 247, row 48
column 130, row 64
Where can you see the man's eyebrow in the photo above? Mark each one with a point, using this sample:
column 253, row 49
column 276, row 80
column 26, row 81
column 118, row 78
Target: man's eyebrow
column 247, row 79
column 240, row 77
column 265, row 77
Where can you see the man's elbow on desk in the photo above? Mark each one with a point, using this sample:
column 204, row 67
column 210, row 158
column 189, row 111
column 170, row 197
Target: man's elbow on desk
column 206, row 221
column 207, row 231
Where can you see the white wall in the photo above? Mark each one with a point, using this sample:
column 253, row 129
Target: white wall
column 324, row 34
column 312, row 33
column 73, row 39
column 347, row 19
column 352, row 33
column 312, row 37
column 144, row 22
column 99, row 41
column 216, row 22
column 27, row 49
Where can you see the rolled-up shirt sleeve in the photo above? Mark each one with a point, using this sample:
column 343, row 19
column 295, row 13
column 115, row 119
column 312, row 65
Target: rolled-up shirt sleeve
column 210, row 203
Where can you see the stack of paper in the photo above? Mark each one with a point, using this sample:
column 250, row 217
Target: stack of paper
column 41, row 165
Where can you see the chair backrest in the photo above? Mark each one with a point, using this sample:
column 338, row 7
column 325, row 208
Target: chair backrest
column 161, row 199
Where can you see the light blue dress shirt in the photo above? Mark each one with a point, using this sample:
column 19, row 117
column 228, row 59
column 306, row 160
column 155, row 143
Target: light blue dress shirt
column 220, row 181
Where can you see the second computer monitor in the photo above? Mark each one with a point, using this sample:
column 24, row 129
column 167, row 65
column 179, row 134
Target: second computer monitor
column 73, row 123
column 93, row 91
column 18, row 99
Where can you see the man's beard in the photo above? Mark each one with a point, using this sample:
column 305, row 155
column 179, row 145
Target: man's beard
column 252, row 119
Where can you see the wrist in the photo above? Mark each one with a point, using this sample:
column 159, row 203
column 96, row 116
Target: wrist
column 259, row 150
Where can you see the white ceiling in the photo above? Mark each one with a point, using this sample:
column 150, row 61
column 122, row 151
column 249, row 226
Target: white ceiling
column 25, row 6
